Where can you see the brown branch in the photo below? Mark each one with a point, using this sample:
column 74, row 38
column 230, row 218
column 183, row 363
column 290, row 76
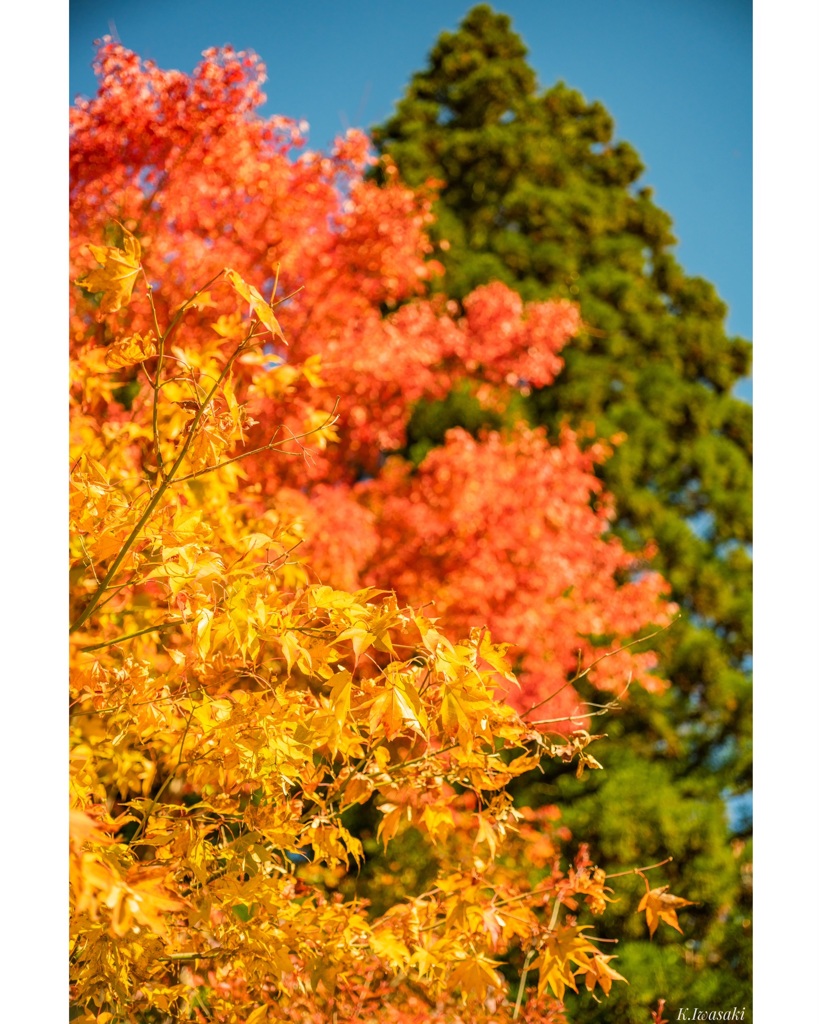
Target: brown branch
column 638, row 871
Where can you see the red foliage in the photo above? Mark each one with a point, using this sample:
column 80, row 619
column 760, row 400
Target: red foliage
column 502, row 531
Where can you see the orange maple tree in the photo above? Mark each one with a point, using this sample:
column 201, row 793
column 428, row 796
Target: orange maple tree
column 277, row 620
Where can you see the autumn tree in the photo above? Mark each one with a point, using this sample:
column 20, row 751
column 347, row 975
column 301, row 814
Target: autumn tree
column 536, row 191
column 340, row 264
column 276, row 621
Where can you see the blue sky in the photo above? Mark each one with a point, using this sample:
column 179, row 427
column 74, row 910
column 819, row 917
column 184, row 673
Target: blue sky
column 676, row 76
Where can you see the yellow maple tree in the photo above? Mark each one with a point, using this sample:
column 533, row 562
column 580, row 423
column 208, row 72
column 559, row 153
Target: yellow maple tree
column 228, row 711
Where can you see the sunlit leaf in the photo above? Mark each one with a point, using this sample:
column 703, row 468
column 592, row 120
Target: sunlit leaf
column 116, row 275
column 261, row 309
column 659, row 905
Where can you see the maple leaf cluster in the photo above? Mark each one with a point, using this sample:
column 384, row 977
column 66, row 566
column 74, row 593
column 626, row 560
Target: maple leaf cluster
column 277, row 620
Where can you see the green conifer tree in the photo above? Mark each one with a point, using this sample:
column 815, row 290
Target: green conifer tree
column 537, row 193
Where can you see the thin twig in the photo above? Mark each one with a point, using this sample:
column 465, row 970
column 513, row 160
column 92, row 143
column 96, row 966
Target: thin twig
column 176, row 957
column 611, row 705
column 162, row 339
column 521, row 993
column 140, row 831
column 270, row 447
column 423, row 757
column 557, row 905
column 155, row 382
column 592, row 665
column 131, row 636
column 124, row 706
column 89, row 563
column 637, row 871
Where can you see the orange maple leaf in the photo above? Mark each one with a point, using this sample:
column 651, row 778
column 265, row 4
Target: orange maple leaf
column 660, row 905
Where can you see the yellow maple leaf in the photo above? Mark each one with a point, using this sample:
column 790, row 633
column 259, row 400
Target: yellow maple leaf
column 565, row 947
column 204, row 619
column 391, row 818
column 341, row 697
column 131, row 350
column 390, row 947
column 473, row 975
column 146, row 900
column 495, row 656
column 333, row 843
column 261, row 308
column 602, row 973
column 486, row 833
column 387, row 713
column 438, row 821
column 659, row 905
column 116, row 274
